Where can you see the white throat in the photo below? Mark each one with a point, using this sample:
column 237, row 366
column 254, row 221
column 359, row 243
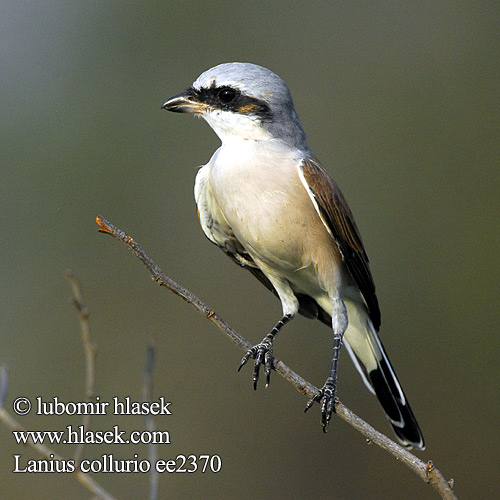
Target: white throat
column 231, row 127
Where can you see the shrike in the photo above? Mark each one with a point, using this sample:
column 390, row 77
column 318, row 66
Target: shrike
column 270, row 205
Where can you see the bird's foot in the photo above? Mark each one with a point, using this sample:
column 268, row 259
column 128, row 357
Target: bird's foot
column 262, row 353
column 326, row 397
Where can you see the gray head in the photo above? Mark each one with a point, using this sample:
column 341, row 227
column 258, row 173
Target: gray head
column 243, row 100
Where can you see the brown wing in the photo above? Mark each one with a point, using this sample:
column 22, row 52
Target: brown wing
column 339, row 221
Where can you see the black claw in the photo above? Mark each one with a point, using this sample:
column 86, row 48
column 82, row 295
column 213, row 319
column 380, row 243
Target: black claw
column 316, row 397
column 249, row 354
column 255, row 377
column 262, row 354
column 268, row 361
column 256, row 368
column 326, row 395
column 327, row 406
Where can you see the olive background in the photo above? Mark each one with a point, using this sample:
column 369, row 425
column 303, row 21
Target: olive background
column 400, row 102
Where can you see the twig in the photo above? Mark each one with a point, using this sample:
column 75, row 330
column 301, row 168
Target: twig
column 83, row 478
column 90, row 353
column 4, row 384
column 150, row 425
column 425, row 471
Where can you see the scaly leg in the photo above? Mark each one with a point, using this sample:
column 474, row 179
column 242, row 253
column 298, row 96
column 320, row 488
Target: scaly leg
column 327, row 393
column 263, row 352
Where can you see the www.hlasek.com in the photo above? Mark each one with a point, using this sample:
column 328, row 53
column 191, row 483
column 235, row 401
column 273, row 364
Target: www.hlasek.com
column 107, row 463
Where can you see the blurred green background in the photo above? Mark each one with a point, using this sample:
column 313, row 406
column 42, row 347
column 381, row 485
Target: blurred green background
column 400, row 101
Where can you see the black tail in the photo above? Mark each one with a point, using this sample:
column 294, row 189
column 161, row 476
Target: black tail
column 372, row 362
column 396, row 406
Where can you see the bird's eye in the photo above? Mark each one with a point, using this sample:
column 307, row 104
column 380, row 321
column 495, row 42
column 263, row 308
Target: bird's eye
column 226, row 95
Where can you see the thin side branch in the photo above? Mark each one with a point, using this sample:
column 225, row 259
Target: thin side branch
column 83, row 478
column 90, row 353
column 147, row 396
column 46, row 452
column 4, row 383
column 426, row 471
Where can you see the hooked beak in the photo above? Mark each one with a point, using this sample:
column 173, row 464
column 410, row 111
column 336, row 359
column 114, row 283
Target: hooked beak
column 185, row 102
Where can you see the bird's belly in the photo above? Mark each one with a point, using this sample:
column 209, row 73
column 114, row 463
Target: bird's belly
column 273, row 218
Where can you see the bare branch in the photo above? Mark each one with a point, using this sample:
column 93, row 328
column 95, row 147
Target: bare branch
column 83, row 478
column 90, row 353
column 4, row 384
column 425, row 471
column 150, row 425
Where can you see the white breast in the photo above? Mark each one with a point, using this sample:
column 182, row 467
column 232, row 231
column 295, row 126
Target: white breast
column 264, row 202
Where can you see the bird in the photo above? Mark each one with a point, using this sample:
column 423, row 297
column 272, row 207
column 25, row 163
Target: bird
column 266, row 200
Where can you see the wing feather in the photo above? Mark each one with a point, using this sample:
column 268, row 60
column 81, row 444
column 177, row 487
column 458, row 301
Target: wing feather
column 337, row 217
